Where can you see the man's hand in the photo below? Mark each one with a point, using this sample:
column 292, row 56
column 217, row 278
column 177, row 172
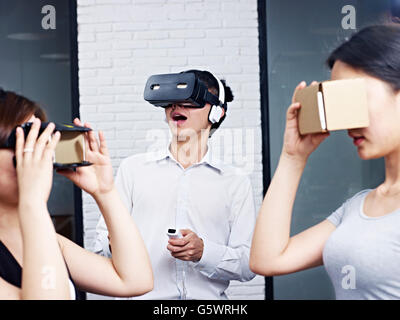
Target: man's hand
column 188, row 248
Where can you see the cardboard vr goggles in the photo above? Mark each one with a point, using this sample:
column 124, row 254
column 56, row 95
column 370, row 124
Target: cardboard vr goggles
column 333, row 105
column 185, row 89
column 70, row 150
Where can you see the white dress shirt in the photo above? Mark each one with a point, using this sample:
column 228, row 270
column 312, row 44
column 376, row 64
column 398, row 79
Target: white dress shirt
column 212, row 199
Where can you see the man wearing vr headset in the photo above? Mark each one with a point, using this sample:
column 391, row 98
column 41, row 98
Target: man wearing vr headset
column 207, row 202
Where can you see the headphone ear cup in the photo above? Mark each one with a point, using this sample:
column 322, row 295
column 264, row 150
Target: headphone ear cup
column 215, row 114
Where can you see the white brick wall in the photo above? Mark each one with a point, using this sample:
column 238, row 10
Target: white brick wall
column 122, row 42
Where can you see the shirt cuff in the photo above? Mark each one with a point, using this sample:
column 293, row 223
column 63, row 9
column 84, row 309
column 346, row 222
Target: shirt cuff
column 212, row 256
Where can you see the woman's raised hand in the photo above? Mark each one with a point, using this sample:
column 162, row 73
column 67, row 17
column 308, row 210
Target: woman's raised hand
column 98, row 178
column 35, row 162
column 296, row 146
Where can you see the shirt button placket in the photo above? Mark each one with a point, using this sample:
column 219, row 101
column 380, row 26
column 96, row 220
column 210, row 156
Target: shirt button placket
column 182, row 223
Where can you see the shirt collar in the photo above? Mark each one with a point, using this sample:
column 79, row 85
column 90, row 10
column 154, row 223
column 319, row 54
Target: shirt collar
column 165, row 153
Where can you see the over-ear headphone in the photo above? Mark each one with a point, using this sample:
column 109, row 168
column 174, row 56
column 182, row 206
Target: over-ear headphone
column 216, row 111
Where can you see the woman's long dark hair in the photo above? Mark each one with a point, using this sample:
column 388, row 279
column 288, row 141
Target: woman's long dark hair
column 374, row 50
column 15, row 110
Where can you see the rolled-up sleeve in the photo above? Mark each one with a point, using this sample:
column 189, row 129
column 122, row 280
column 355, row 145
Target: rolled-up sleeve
column 101, row 245
column 231, row 261
column 123, row 183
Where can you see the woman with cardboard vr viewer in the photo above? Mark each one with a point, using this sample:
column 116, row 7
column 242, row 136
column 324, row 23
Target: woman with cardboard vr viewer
column 51, row 263
column 363, row 235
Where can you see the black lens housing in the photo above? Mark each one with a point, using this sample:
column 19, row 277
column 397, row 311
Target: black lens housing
column 185, row 89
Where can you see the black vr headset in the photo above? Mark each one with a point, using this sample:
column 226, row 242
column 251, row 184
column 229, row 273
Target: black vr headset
column 70, row 150
column 185, row 89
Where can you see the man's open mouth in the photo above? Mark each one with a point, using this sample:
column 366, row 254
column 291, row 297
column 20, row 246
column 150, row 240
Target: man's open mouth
column 178, row 117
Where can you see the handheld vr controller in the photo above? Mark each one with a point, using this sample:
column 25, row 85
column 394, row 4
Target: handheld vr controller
column 174, row 234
